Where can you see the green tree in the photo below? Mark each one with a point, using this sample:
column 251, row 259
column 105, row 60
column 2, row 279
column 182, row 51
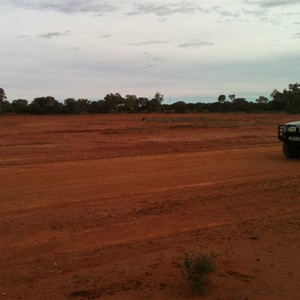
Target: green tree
column 77, row 106
column 142, row 102
column 99, row 106
column 180, row 107
column 159, row 97
column 83, row 105
column 294, row 88
column 292, row 96
column 131, row 103
column 19, row 106
column 2, row 98
column 45, row 105
column 262, row 100
column 232, row 97
column 114, row 101
column 70, row 105
column 240, row 104
column 155, row 103
column 222, row 98
column 287, row 100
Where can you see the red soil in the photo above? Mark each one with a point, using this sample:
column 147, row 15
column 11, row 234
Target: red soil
column 104, row 206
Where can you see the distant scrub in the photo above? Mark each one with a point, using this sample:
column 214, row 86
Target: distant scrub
column 286, row 101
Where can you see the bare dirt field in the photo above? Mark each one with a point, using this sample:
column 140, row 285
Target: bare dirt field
column 105, row 206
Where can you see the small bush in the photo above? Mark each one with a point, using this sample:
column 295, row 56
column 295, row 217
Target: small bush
column 196, row 269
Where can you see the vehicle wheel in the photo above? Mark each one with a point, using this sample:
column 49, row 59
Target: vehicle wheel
column 290, row 151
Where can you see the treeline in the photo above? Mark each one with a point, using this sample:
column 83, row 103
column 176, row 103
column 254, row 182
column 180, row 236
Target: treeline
column 286, row 101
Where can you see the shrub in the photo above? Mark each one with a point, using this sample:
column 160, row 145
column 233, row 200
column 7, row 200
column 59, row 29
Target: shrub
column 196, row 269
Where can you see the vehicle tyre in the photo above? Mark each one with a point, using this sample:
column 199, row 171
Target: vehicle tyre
column 290, row 151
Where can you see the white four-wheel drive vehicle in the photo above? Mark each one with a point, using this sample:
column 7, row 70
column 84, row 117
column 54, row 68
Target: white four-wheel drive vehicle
column 289, row 134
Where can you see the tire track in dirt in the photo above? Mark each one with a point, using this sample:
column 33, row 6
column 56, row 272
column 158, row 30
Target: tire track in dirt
column 117, row 228
column 99, row 179
column 152, row 218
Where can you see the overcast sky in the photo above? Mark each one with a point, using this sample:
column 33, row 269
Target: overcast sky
column 88, row 48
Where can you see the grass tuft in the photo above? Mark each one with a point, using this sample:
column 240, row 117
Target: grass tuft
column 196, row 269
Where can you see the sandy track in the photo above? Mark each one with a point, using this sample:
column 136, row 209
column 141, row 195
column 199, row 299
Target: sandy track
column 114, row 224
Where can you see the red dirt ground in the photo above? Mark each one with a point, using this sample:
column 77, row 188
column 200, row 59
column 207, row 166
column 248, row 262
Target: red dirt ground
column 104, row 206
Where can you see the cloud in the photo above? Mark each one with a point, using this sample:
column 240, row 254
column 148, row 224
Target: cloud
column 196, row 43
column 261, row 14
column 50, row 35
column 155, row 59
column 272, row 3
column 148, row 43
column 68, row 6
column 24, row 36
column 150, row 66
column 106, row 36
column 167, row 9
column 296, row 35
column 225, row 13
column 275, row 12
